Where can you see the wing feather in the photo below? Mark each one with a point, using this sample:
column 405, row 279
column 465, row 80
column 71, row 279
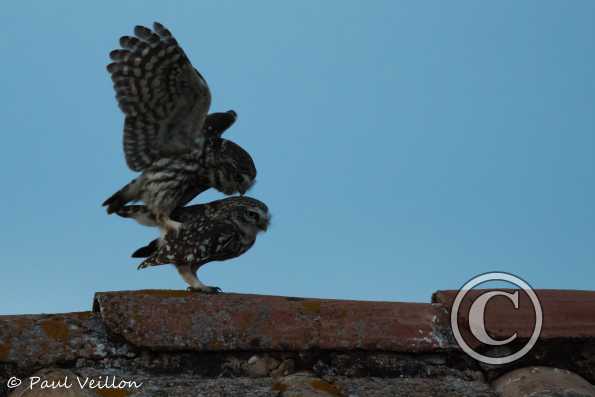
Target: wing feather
column 164, row 98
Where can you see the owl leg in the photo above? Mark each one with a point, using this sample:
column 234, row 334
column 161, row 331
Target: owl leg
column 192, row 280
column 166, row 224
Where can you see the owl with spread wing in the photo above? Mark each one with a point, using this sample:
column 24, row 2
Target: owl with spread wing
column 216, row 231
column 168, row 136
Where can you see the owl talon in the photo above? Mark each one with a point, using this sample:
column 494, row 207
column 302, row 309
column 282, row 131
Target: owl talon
column 205, row 290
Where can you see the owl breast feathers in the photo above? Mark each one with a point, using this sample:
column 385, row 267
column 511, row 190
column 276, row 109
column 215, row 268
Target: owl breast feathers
column 168, row 135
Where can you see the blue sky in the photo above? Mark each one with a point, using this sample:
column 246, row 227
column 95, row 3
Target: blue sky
column 403, row 147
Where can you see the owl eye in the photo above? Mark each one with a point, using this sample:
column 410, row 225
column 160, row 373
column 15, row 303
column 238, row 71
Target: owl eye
column 251, row 214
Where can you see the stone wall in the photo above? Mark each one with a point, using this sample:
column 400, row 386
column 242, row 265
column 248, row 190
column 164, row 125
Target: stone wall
column 178, row 343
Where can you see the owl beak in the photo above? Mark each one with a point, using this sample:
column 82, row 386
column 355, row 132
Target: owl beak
column 246, row 186
column 264, row 225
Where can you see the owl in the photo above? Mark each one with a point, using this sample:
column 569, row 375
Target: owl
column 215, row 125
column 165, row 101
column 216, row 231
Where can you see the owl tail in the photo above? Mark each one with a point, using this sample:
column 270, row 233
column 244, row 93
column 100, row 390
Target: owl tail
column 147, row 250
column 128, row 193
column 150, row 261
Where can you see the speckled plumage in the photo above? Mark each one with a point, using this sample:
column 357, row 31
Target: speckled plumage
column 167, row 133
column 216, row 231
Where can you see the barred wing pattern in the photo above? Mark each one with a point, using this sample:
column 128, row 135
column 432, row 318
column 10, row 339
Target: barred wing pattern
column 164, row 98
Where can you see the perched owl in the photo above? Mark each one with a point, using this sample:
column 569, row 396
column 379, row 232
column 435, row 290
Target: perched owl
column 216, row 231
column 166, row 101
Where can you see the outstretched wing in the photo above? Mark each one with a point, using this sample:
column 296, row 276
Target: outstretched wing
column 164, row 98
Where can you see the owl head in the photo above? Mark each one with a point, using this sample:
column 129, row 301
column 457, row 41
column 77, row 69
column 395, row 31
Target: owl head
column 245, row 211
column 231, row 169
